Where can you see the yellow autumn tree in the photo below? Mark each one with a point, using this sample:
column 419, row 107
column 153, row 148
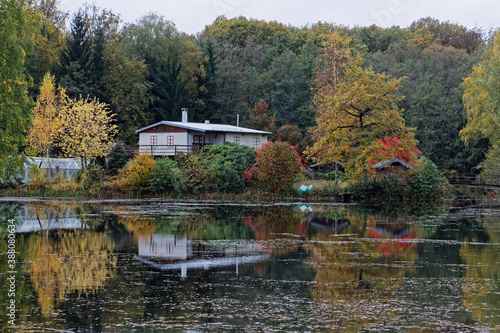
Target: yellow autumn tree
column 87, row 129
column 482, row 97
column 355, row 109
column 482, row 101
column 45, row 123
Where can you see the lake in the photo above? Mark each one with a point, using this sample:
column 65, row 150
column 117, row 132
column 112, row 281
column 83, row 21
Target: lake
column 154, row 266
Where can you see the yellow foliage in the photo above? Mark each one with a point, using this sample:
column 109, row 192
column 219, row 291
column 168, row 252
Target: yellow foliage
column 136, row 174
column 482, row 97
column 81, row 128
column 46, row 123
column 423, row 38
column 87, row 129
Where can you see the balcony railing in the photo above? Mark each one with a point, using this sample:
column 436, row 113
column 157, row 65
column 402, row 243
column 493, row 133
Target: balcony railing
column 162, row 150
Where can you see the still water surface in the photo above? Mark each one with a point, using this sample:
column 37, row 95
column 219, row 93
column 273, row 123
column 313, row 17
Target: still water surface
column 154, row 266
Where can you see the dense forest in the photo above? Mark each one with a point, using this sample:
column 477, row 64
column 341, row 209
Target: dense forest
column 145, row 71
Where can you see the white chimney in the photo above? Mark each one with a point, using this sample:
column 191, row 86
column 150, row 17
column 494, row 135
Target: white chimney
column 184, row 115
column 207, row 121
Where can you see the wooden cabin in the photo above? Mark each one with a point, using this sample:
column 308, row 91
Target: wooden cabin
column 166, row 138
column 393, row 168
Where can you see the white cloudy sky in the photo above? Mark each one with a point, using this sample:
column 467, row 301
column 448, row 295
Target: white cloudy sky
column 191, row 16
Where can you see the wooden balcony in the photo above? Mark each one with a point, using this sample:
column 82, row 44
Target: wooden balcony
column 162, row 150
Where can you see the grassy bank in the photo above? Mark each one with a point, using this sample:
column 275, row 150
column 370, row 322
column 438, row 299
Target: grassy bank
column 323, row 190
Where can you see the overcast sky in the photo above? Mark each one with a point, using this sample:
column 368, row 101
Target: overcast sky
column 191, row 16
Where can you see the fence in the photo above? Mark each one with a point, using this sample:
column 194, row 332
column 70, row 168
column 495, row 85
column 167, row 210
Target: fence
column 457, row 179
column 162, row 150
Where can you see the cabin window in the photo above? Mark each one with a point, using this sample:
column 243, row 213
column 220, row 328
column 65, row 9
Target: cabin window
column 237, row 140
column 197, row 139
column 256, row 142
column 153, row 140
column 170, row 140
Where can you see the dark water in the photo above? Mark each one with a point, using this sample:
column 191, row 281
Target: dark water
column 151, row 266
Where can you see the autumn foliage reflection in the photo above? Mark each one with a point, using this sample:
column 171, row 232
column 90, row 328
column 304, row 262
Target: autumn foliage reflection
column 359, row 270
column 480, row 287
column 282, row 224
column 69, row 262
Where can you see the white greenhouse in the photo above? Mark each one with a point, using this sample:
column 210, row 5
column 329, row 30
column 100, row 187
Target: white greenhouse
column 65, row 167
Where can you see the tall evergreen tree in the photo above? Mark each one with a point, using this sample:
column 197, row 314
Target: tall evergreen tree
column 74, row 72
column 208, row 107
column 128, row 91
column 98, row 66
column 175, row 63
column 49, row 43
column 82, row 65
column 169, row 89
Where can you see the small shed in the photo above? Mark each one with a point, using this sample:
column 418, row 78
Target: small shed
column 393, row 168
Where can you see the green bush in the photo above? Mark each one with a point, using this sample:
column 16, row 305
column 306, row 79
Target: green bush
column 393, row 190
column 227, row 163
column 243, row 157
column 227, row 178
column 117, row 159
column 195, row 175
column 216, row 168
column 390, row 190
column 90, row 177
column 165, row 176
column 428, row 184
column 340, row 176
column 365, row 191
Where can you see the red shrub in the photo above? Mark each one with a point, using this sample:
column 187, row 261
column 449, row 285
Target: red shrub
column 396, row 148
column 277, row 165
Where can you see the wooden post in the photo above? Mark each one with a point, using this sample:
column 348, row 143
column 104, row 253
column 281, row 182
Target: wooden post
column 336, row 178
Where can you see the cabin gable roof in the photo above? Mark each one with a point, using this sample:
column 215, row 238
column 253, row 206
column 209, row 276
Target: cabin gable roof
column 200, row 127
column 382, row 165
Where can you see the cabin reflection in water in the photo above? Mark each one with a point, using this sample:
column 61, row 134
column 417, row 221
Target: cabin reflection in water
column 166, row 247
column 171, row 252
column 325, row 223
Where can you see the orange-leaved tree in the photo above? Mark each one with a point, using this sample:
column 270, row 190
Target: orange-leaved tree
column 355, row 107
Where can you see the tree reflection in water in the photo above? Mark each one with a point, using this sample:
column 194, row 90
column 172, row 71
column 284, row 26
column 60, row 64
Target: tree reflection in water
column 358, row 271
column 480, row 287
column 337, row 268
column 61, row 262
